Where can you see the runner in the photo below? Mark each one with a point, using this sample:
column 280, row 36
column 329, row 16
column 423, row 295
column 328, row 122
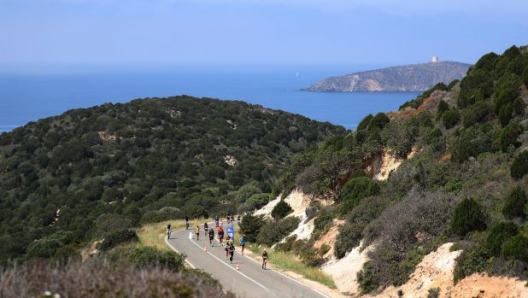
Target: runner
column 211, row 237
column 217, row 220
column 242, row 243
column 186, row 222
column 197, row 231
column 206, row 228
column 221, row 235
column 168, row 231
column 231, row 252
column 264, row 259
column 229, row 242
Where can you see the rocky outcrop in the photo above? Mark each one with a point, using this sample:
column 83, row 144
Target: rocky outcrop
column 407, row 78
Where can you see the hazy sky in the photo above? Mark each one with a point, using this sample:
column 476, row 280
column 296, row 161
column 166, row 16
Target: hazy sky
column 257, row 32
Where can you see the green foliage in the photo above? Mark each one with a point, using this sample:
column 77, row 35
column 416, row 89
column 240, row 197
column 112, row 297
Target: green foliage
column 472, row 260
column 476, row 86
column 158, row 158
column 149, row 256
column 322, row 223
column 251, row 226
column 274, row 231
column 116, row 238
column 254, row 202
column 498, row 235
column 525, row 76
column 516, row 248
column 348, row 238
column 515, row 203
column 473, row 141
column 508, row 136
column 450, row 118
column 433, row 292
column 519, row 167
column 355, row 190
column 505, row 92
column 468, row 217
column 367, row 279
column 281, row 210
column 44, row 248
column 58, row 245
column 480, row 112
column 441, row 108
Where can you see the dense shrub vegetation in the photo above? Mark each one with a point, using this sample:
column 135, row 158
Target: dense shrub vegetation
column 111, row 167
column 466, row 181
column 461, row 151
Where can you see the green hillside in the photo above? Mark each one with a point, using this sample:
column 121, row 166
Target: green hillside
column 111, row 167
column 466, row 181
column 92, row 173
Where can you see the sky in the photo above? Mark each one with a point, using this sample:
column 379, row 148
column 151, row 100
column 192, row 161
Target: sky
column 99, row 33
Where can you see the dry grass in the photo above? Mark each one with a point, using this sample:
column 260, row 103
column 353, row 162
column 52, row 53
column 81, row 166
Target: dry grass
column 154, row 234
column 102, row 279
column 288, row 261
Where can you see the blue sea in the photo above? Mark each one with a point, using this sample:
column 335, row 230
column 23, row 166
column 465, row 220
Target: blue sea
column 29, row 97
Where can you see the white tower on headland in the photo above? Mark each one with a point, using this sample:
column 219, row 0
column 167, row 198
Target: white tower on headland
column 435, row 59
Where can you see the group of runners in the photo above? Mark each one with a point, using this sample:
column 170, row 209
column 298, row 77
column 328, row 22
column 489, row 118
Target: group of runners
column 229, row 243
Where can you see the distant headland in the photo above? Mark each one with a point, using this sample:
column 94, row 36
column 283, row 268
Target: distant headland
column 406, row 78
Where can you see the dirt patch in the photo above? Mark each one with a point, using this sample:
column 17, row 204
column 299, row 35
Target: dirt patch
column 329, row 238
column 344, row 271
column 436, row 271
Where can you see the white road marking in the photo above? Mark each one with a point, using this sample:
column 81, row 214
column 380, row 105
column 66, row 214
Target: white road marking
column 186, row 260
column 221, row 261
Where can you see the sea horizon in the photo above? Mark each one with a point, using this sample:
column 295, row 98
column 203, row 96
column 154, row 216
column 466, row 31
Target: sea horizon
column 26, row 97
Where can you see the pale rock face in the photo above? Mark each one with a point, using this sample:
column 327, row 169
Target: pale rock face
column 406, row 78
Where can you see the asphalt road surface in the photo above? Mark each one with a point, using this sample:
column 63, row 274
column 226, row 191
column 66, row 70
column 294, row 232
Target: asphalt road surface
column 245, row 276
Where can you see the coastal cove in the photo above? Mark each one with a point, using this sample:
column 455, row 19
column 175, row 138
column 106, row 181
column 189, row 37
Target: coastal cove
column 25, row 98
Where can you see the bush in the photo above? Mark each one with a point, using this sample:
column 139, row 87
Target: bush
column 450, row 118
column 322, row 223
column 118, row 237
column 519, row 167
column 516, row 248
column 471, row 261
column 151, row 257
column 281, row 210
column 250, row 227
column 44, row 248
column 349, row 237
column 498, row 234
column 367, row 279
column 433, row 292
column 515, row 204
column 275, row 231
column 508, row 136
column 355, row 190
column 468, row 217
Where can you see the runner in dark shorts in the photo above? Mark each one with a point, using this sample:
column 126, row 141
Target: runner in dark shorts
column 264, row 259
column 211, row 237
column 231, row 252
column 221, row 235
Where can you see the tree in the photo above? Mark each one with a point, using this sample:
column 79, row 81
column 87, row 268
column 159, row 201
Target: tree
column 250, row 227
column 498, row 234
column 519, row 167
column 515, row 203
column 450, row 118
column 468, row 217
column 281, row 210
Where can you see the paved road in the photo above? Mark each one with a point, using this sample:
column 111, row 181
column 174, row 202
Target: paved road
column 244, row 276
